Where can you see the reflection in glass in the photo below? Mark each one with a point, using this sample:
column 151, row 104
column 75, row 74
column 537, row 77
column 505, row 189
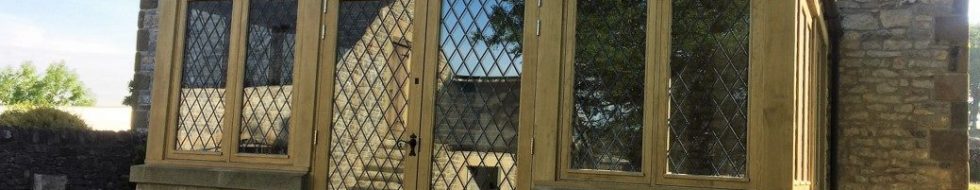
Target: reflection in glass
column 607, row 117
column 201, row 99
column 370, row 94
column 268, row 81
column 478, row 94
column 709, row 87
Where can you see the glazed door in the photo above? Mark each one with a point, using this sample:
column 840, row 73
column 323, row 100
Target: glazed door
column 368, row 58
column 471, row 97
column 433, row 109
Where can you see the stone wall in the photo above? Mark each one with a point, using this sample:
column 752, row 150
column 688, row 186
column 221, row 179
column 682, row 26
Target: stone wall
column 903, row 114
column 89, row 159
column 145, row 56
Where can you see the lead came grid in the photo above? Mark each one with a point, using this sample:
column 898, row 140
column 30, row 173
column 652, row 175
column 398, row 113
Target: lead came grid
column 202, row 84
column 370, row 98
column 268, row 81
column 478, row 94
column 709, row 87
column 610, row 59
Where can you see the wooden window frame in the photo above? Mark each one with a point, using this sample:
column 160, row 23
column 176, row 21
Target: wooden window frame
column 161, row 143
column 771, row 102
column 567, row 103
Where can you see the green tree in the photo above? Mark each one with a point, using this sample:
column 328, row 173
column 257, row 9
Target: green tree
column 610, row 38
column 58, row 86
column 130, row 99
column 974, row 67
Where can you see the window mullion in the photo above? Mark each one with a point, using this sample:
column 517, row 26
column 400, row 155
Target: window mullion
column 234, row 85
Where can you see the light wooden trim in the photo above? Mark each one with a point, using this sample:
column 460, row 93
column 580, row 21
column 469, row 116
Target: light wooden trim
column 224, row 165
column 419, row 93
column 567, row 66
column 526, row 126
column 664, row 177
column 659, row 45
column 326, row 86
column 304, row 82
column 174, row 94
column 236, row 70
column 157, row 134
column 773, row 98
column 304, row 79
column 772, row 48
column 325, row 93
column 548, row 74
column 590, row 185
column 430, row 70
column 166, row 97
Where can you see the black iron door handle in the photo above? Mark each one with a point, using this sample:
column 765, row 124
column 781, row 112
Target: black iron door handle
column 412, row 142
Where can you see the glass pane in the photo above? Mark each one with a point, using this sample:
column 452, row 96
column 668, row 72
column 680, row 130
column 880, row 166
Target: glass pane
column 268, row 77
column 610, row 57
column 202, row 84
column 371, row 94
column 478, row 94
column 709, row 87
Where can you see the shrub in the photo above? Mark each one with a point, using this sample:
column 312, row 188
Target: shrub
column 42, row 117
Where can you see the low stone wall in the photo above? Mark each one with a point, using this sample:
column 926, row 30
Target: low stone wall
column 89, row 159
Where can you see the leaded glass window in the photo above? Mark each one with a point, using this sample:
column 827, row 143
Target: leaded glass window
column 709, row 67
column 610, row 61
column 268, row 77
column 201, row 101
column 478, row 94
column 371, row 101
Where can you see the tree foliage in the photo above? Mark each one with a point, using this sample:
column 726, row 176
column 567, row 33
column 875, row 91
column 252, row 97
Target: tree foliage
column 610, row 59
column 130, row 100
column 974, row 67
column 57, row 86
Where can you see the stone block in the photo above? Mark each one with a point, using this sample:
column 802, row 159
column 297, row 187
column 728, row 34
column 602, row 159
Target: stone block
column 142, row 39
column 948, row 145
column 860, row 22
column 896, row 18
column 959, row 59
column 952, row 29
column 951, row 87
column 149, row 4
column 50, row 182
column 959, row 115
column 217, row 178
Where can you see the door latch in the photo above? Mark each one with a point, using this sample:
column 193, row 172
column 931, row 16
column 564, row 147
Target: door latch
column 412, row 142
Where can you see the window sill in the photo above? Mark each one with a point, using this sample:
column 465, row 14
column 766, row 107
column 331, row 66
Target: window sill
column 223, row 178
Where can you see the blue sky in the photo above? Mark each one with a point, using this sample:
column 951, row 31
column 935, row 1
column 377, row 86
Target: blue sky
column 96, row 38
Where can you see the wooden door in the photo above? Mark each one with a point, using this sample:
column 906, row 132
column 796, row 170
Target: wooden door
column 366, row 94
column 471, row 94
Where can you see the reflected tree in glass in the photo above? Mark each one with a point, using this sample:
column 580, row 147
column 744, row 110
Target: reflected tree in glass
column 709, row 87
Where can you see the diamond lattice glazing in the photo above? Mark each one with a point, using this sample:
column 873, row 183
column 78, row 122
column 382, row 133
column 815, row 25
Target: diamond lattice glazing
column 709, row 87
column 477, row 100
column 268, row 77
column 203, row 72
column 607, row 115
column 370, row 94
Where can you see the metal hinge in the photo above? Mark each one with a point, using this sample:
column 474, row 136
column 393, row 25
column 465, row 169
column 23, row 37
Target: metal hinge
column 324, row 8
column 537, row 28
column 316, row 137
column 532, row 146
column 323, row 31
column 539, row 3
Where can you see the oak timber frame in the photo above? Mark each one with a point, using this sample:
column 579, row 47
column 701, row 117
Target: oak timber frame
column 788, row 79
column 160, row 144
